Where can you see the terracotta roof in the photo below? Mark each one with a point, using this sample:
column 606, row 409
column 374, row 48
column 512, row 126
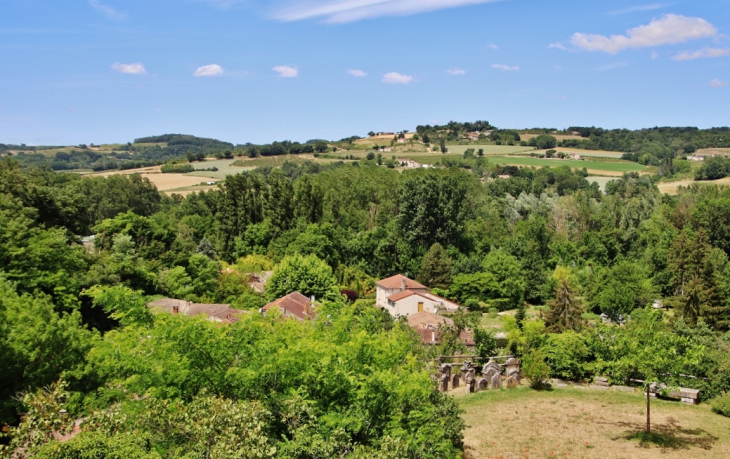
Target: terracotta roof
column 220, row 312
column 294, row 304
column 425, row 318
column 404, row 294
column 396, row 282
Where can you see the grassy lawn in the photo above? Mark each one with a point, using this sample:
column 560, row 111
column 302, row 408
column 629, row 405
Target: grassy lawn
column 491, row 149
column 583, row 423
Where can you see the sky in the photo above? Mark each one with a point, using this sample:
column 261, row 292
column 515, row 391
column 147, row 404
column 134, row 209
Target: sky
column 108, row 71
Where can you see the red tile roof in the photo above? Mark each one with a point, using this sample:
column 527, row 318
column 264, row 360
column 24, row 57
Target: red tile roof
column 396, row 282
column 294, row 304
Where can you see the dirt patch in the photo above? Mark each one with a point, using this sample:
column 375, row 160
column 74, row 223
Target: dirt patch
column 580, row 423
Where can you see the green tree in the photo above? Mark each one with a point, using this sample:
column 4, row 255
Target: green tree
column 565, row 310
column 645, row 349
column 307, row 275
column 435, row 269
column 442, row 146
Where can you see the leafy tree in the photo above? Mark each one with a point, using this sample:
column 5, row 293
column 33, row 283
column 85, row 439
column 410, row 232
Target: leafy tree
column 565, row 310
column 307, row 275
column 506, row 270
column 435, row 269
column 442, row 146
column 645, row 349
column 535, row 368
column 206, row 248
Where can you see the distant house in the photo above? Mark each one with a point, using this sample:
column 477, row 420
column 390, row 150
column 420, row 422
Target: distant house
column 427, row 325
column 294, row 305
column 215, row 312
column 696, row 157
column 503, row 176
column 576, row 156
column 387, row 148
column 404, row 140
column 211, row 182
column 408, row 163
column 473, row 135
column 401, row 296
column 387, row 133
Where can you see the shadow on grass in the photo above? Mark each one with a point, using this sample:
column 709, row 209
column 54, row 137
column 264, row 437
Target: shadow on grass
column 667, row 436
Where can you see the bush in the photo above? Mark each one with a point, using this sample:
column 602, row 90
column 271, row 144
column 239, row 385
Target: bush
column 535, row 369
column 721, row 404
column 567, row 354
column 177, row 168
column 472, row 304
column 493, row 313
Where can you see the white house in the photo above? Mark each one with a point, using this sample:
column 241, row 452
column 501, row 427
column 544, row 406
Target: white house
column 401, row 296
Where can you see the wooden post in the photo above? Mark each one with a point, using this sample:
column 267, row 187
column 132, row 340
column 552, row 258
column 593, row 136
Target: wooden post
column 648, row 410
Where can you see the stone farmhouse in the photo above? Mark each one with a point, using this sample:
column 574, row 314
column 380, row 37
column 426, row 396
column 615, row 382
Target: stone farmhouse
column 427, row 325
column 294, row 305
column 401, row 296
column 222, row 313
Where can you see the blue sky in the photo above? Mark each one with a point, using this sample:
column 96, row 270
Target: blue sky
column 99, row 71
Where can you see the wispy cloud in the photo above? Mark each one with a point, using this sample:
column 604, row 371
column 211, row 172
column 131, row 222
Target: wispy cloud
column 702, row 53
column 135, row 69
column 718, row 84
column 212, row 70
column 557, row 46
column 397, row 78
column 342, row 11
column 224, row 4
column 612, row 66
column 492, row 46
column 669, row 29
column 555, row 96
column 654, row 55
column 357, row 73
column 107, row 10
column 456, row 72
column 286, row 71
column 638, row 8
column 506, row 68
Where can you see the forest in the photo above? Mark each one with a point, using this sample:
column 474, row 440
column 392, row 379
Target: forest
column 629, row 283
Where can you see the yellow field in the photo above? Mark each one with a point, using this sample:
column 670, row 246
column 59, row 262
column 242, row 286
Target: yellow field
column 583, row 423
column 671, row 187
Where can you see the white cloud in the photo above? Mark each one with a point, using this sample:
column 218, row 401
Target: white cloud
column 456, row 72
column 505, row 68
column 107, row 10
column 556, row 46
column 613, row 66
column 669, row 29
column 718, row 84
column 492, row 46
column 557, row 67
column 136, row 69
column 702, row 53
column 357, row 73
column 211, row 70
column 654, row 55
column 397, row 78
column 286, row 71
column 341, row 11
column 638, row 8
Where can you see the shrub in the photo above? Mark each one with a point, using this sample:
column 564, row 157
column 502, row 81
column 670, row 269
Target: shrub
column 567, row 354
column 721, row 404
column 535, row 369
column 177, row 168
column 493, row 313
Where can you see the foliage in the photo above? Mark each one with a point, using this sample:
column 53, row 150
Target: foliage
column 307, row 275
column 535, row 369
column 435, row 269
column 568, row 355
column 565, row 310
column 721, row 404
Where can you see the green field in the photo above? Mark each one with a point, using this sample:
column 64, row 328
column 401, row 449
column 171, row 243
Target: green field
column 490, row 150
column 611, row 166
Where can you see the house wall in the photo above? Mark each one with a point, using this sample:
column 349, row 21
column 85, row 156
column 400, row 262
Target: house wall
column 409, row 305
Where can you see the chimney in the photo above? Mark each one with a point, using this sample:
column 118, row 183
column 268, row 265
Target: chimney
column 402, row 284
column 175, row 309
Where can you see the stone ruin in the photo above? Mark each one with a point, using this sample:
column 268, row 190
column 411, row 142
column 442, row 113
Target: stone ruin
column 491, row 376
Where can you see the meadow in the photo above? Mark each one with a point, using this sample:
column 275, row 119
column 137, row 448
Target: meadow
column 586, row 423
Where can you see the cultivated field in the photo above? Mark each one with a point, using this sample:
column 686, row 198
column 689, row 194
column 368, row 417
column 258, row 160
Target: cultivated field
column 597, row 166
column 672, row 187
column 583, row 423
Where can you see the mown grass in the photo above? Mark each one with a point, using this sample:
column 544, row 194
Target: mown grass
column 610, row 166
column 583, row 423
